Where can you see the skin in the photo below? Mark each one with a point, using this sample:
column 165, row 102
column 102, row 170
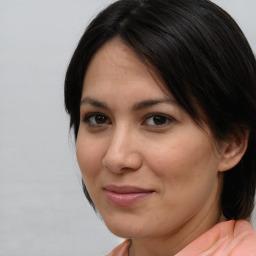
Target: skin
column 125, row 143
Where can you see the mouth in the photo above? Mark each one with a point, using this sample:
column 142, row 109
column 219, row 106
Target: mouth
column 125, row 195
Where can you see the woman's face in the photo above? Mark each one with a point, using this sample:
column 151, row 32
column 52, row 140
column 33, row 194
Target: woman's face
column 149, row 169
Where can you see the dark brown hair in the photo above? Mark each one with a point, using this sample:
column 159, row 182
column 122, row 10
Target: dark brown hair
column 206, row 63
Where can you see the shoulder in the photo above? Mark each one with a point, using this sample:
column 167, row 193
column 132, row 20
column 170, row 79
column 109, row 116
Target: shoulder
column 121, row 250
column 229, row 238
column 243, row 241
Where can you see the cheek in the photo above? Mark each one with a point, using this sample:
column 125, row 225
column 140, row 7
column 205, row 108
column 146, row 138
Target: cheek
column 188, row 171
column 185, row 160
column 88, row 155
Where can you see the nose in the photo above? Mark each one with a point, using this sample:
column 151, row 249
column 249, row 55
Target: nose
column 122, row 153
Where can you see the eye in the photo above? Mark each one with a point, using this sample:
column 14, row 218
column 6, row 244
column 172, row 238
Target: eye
column 158, row 120
column 96, row 119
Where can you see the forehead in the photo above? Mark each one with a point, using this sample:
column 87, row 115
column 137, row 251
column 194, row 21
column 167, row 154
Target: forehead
column 115, row 64
column 114, row 58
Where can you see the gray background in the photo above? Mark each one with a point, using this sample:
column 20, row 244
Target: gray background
column 42, row 208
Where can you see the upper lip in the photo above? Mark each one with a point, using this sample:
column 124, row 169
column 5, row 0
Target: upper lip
column 126, row 189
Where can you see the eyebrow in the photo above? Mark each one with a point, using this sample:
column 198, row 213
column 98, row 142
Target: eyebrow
column 93, row 102
column 136, row 107
column 152, row 102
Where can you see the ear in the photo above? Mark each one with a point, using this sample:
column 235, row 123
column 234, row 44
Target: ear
column 233, row 151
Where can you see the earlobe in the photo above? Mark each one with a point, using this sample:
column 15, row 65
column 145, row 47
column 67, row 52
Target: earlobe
column 234, row 151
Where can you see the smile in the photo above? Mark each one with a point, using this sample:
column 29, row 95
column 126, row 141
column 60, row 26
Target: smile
column 125, row 195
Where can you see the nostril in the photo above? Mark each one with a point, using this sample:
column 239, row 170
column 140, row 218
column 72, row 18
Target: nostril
column 122, row 162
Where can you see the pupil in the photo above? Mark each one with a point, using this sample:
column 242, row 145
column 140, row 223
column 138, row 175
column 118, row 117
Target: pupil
column 159, row 120
column 100, row 119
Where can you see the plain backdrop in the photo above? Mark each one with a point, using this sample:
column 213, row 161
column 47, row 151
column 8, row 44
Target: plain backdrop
column 42, row 208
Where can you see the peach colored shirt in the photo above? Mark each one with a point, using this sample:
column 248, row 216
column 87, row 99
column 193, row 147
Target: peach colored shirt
column 229, row 238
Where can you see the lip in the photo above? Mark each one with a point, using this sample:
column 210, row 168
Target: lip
column 126, row 195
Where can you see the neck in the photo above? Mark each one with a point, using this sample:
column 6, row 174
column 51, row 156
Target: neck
column 170, row 244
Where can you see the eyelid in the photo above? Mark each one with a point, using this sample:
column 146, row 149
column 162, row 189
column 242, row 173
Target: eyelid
column 87, row 116
column 93, row 123
column 168, row 118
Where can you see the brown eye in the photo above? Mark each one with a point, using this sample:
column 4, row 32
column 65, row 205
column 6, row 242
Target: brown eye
column 158, row 120
column 96, row 119
column 100, row 119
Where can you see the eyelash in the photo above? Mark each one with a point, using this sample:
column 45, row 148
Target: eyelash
column 92, row 123
column 167, row 119
column 86, row 119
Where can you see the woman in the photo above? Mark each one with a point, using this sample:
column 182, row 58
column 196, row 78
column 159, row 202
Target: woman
column 161, row 97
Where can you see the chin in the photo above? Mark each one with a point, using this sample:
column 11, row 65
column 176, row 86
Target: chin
column 126, row 229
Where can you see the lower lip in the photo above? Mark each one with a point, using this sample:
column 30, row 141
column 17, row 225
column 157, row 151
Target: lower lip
column 126, row 199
